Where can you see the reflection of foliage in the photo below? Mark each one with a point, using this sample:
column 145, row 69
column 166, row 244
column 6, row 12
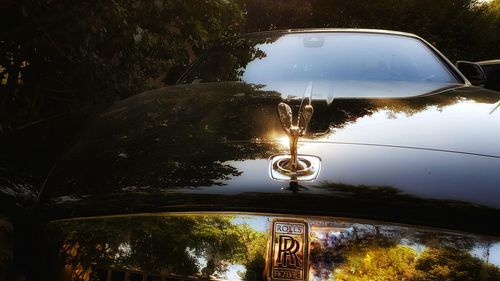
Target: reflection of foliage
column 453, row 264
column 56, row 57
column 392, row 263
column 255, row 261
column 204, row 246
column 334, row 250
column 403, row 263
column 228, row 60
column 376, row 253
column 182, row 138
column 149, row 244
column 346, row 111
column 168, row 141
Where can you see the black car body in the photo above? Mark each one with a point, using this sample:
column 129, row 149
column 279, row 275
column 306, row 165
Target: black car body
column 175, row 184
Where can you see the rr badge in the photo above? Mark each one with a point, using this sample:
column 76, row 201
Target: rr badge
column 289, row 250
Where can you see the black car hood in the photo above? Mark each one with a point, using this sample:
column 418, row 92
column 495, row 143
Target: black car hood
column 431, row 159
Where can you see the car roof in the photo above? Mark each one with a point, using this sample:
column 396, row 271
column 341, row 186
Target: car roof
column 489, row 62
column 326, row 30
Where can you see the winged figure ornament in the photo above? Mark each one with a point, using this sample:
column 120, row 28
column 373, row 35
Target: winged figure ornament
column 296, row 129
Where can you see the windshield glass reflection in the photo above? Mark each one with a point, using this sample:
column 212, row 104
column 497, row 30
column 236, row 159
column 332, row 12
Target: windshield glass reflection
column 338, row 64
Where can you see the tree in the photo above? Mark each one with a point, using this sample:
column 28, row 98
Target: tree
column 56, row 55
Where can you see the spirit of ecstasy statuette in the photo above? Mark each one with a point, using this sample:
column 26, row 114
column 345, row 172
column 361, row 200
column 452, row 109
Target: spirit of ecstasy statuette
column 295, row 167
column 295, row 131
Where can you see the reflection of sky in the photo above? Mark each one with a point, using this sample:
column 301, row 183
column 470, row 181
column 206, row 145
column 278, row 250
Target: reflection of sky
column 347, row 56
column 417, row 247
column 254, row 178
column 426, row 174
column 465, row 126
column 233, row 272
column 257, row 223
column 328, row 90
column 422, row 173
column 201, row 261
column 124, row 250
column 493, row 256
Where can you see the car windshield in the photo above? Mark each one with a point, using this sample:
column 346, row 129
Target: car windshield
column 338, row 64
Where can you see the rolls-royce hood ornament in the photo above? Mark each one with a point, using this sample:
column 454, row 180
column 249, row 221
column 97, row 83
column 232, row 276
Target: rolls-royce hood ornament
column 293, row 166
column 294, row 131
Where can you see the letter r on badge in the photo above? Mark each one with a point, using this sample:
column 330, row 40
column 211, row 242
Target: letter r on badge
column 287, row 252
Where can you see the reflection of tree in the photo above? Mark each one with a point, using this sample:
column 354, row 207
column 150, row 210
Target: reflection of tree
column 377, row 253
column 183, row 137
column 228, row 60
column 168, row 141
column 453, row 264
column 377, row 263
column 343, row 112
column 204, row 247
column 404, row 263
column 188, row 245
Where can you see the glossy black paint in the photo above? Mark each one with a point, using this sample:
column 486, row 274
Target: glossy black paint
column 426, row 160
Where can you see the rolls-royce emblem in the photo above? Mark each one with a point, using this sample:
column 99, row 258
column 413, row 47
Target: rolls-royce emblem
column 289, row 250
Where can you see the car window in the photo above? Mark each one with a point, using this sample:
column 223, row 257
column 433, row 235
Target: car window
column 322, row 57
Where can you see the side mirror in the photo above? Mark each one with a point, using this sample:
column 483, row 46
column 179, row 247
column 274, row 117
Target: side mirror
column 173, row 74
column 492, row 75
column 472, row 71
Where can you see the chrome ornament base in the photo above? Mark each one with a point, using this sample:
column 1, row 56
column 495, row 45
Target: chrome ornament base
column 308, row 168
